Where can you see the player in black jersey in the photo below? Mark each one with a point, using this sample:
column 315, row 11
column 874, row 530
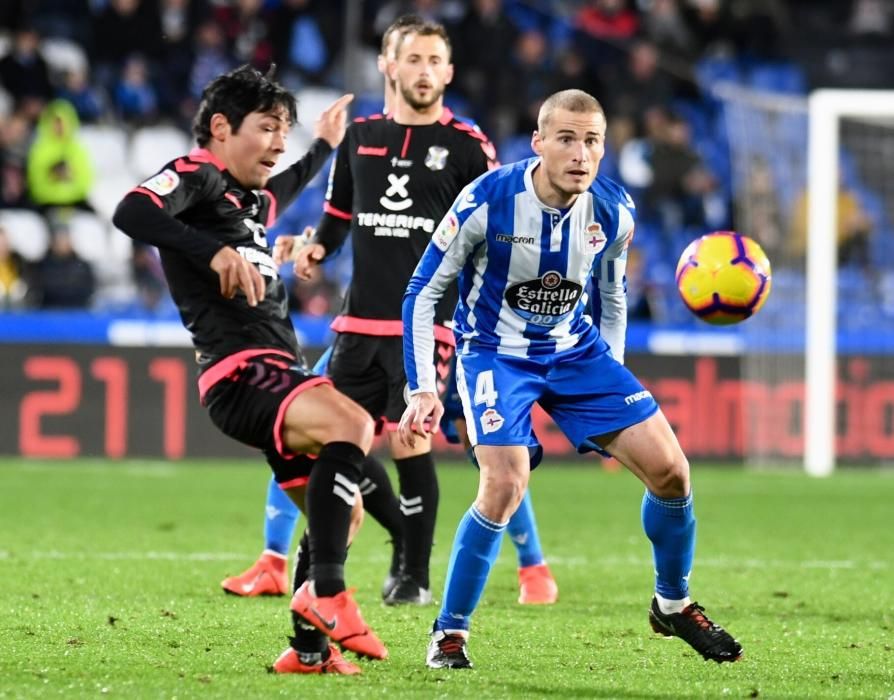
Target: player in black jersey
column 392, row 180
column 268, row 576
column 207, row 213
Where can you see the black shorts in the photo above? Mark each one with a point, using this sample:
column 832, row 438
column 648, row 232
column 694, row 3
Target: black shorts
column 370, row 370
column 247, row 395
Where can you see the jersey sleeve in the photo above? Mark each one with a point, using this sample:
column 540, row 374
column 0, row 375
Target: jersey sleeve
column 148, row 213
column 334, row 225
column 451, row 245
column 612, row 283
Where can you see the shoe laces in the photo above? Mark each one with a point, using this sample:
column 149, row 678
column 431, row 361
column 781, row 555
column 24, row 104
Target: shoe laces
column 696, row 613
column 452, row 644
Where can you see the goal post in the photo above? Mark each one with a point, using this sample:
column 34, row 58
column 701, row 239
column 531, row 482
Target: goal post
column 812, row 180
column 826, row 108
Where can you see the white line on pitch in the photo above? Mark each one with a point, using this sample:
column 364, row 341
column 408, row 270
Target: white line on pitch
column 569, row 562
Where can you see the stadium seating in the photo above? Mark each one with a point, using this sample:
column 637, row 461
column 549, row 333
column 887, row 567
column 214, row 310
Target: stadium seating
column 63, row 55
column 153, row 146
column 28, row 232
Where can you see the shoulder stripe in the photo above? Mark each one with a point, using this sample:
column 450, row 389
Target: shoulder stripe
column 151, row 195
column 203, row 155
column 181, row 166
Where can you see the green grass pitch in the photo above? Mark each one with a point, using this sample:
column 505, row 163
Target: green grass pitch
column 110, row 576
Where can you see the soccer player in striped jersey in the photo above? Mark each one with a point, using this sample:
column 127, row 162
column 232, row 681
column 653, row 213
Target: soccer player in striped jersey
column 523, row 241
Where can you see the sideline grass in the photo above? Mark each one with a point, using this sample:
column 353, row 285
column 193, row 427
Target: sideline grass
column 110, row 578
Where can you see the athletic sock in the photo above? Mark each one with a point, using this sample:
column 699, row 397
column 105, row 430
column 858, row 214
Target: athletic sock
column 380, row 501
column 670, row 525
column 280, row 516
column 522, row 530
column 308, row 641
column 475, row 548
column 331, row 494
column 419, row 505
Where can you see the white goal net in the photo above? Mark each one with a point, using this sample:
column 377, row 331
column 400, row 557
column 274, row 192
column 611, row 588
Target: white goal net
column 813, row 182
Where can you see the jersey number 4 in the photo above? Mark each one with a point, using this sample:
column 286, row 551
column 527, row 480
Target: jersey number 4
column 485, row 392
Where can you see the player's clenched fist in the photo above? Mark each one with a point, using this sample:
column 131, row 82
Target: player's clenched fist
column 287, row 246
column 422, row 417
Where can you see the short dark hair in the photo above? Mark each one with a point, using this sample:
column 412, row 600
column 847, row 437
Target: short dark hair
column 238, row 93
column 425, row 28
column 401, row 24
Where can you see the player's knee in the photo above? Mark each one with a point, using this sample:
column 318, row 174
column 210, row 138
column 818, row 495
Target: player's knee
column 670, row 477
column 352, row 424
column 500, row 494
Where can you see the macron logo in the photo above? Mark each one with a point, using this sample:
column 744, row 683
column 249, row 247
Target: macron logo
column 638, row 396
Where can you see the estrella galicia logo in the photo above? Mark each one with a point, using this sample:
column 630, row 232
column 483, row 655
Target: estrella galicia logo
column 546, row 301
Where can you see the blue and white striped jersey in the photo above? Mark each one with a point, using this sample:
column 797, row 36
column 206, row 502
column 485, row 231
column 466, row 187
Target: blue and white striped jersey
column 523, row 269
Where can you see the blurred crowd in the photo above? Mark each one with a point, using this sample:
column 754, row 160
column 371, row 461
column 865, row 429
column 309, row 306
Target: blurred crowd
column 134, row 63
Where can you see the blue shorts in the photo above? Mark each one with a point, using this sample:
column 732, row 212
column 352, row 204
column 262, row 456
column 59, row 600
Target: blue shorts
column 584, row 390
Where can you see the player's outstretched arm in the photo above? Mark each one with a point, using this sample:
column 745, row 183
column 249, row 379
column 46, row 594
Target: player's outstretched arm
column 421, row 417
column 235, row 273
column 333, row 122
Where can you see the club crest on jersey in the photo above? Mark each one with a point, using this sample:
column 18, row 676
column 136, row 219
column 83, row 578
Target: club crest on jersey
column 491, row 421
column 436, row 158
column 594, row 238
column 446, row 232
column 164, row 183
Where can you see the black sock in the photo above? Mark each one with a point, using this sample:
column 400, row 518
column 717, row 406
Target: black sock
column 308, row 639
column 331, row 494
column 380, row 501
column 419, row 505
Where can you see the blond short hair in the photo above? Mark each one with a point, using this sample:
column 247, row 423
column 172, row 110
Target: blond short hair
column 569, row 100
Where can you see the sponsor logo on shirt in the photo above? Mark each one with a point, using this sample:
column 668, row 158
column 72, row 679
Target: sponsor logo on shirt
column 638, row 396
column 545, row 301
column 509, row 238
column 164, row 183
column 394, row 225
column 467, row 203
column 397, row 188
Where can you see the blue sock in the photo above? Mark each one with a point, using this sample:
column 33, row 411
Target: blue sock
column 670, row 525
column 523, row 533
column 475, row 548
column 280, row 516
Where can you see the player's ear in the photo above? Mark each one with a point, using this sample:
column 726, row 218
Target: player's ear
column 391, row 68
column 537, row 143
column 382, row 64
column 220, row 126
column 449, row 74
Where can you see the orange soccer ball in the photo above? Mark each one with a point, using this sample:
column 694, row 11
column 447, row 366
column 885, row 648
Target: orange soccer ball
column 723, row 277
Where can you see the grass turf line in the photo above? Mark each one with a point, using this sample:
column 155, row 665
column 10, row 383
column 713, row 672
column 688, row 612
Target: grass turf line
column 111, row 574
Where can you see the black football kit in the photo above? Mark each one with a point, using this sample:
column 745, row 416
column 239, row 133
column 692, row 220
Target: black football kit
column 189, row 210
